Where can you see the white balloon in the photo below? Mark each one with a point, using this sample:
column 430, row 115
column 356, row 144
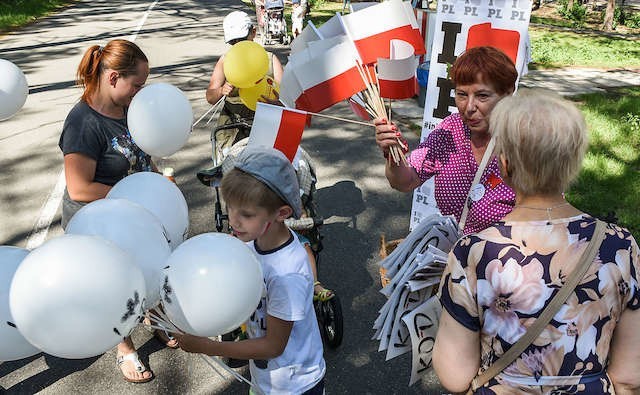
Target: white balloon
column 160, row 196
column 159, row 118
column 13, row 345
column 13, row 89
column 213, row 283
column 134, row 229
column 77, row 296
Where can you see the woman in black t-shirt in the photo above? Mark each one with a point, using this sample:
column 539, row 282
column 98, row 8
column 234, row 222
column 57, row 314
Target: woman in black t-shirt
column 97, row 147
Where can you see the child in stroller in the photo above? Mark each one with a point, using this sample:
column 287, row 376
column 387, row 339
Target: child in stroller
column 272, row 26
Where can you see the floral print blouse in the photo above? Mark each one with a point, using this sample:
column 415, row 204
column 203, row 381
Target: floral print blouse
column 499, row 280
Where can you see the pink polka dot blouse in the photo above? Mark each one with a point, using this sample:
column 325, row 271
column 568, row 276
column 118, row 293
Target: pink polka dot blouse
column 448, row 149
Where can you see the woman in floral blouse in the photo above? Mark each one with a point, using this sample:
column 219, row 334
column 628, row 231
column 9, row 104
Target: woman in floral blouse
column 499, row 280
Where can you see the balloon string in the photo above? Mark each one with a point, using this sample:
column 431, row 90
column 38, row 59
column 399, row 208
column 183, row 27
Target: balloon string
column 163, row 315
column 166, row 324
column 211, row 360
column 162, row 328
column 215, row 106
column 163, row 322
column 220, row 104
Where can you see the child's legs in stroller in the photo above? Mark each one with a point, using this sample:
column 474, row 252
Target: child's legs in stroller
column 319, row 292
column 226, row 138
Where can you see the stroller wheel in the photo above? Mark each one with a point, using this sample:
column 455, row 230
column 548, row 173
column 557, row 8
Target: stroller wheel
column 329, row 316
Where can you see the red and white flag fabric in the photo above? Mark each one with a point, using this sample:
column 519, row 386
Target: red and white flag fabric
column 329, row 77
column 353, row 7
column 426, row 24
column 290, row 89
column 357, row 105
column 308, row 34
column 277, row 127
column 397, row 76
column 331, row 28
column 372, row 28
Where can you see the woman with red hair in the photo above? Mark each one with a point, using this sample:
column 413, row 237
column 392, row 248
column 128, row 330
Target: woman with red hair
column 453, row 150
column 97, row 146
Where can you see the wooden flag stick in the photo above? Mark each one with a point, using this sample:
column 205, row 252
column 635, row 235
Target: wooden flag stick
column 339, row 119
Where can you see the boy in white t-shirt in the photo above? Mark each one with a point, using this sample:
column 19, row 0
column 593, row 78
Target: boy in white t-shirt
column 284, row 345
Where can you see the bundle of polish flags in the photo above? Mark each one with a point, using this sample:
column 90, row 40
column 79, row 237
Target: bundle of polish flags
column 335, row 62
column 368, row 54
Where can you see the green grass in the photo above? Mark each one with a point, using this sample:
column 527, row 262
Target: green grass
column 551, row 48
column 323, row 11
column 16, row 13
column 610, row 177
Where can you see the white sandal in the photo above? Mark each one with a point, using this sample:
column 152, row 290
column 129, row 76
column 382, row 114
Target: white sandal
column 140, row 368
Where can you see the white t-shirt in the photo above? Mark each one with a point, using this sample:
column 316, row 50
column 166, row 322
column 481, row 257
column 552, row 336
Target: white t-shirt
column 289, row 296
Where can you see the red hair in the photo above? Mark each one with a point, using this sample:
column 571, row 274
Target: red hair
column 485, row 64
column 120, row 55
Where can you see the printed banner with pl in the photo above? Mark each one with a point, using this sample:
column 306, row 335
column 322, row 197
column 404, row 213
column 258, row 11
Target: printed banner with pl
column 461, row 25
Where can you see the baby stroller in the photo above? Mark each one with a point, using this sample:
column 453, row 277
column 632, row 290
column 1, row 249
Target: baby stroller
column 328, row 312
column 272, row 26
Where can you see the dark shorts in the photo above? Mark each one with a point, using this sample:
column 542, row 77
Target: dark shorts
column 317, row 389
column 69, row 208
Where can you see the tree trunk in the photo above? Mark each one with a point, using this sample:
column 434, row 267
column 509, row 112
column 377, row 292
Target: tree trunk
column 607, row 26
column 536, row 5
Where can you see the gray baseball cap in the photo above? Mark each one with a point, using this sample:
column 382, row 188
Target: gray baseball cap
column 274, row 169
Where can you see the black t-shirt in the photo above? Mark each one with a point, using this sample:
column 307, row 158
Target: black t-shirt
column 104, row 139
column 107, row 141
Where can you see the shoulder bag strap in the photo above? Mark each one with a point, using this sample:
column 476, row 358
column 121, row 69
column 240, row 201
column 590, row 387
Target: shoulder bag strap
column 483, row 165
column 534, row 330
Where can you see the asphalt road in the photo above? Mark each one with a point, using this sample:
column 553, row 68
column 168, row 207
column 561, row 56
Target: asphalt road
column 183, row 39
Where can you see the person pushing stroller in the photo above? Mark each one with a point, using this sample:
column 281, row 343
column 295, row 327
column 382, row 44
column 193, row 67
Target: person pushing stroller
column 237, row 27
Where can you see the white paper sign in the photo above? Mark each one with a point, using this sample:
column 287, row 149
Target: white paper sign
column 422, row 324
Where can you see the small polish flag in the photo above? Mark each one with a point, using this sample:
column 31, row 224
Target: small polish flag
column 308, row 34
column 329, row 77
column 427, row 25
column 358, row 107
column 290, row 89
column 277, row 127
column 373, row 27
column 331, row 28
column 397, row 76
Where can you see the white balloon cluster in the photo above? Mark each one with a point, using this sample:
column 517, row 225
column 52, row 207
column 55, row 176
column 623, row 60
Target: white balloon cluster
column 79, row 294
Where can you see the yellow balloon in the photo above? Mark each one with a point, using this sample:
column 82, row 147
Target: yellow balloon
column 267, row 87
column 245, row 64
